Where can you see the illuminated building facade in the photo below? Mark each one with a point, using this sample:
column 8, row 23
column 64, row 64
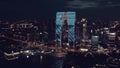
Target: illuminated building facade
column 65, row 25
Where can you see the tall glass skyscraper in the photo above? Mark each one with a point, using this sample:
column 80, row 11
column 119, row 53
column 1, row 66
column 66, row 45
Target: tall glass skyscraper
column 65, row 27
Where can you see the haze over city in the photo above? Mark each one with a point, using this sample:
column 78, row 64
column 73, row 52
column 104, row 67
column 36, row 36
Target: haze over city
column 30, row 9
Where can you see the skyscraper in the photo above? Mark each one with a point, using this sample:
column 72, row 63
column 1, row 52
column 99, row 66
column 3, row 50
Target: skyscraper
column 84, row 22
column 65, row 27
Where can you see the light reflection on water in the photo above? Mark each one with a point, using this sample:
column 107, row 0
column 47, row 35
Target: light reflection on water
column 53, row 62
column 58, row 63
column 67, row 62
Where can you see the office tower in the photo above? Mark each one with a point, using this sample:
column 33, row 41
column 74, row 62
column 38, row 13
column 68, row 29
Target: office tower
column 77, row 33
column 95, row 40
column 64, row 34
column 65, row 28
column 84, row 23
column 112, row 39
column 58, row 27
column 71, row 27
column 84, row 31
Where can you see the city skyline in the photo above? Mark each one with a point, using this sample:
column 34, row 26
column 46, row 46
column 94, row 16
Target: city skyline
column 60, row 33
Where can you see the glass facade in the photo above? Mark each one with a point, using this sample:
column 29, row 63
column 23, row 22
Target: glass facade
column 61, row 19
column 71, row 24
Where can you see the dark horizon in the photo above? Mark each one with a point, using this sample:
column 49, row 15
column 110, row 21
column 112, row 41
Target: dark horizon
column 45, row 9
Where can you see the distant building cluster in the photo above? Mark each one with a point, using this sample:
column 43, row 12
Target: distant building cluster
column 86, row 32
column 98, row 32
column 25, row 30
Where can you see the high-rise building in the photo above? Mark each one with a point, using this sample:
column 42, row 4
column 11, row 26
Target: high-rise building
column 65, row 23
column 84, row 23
column 77, row 33
column 84, row 32
column 64, row 34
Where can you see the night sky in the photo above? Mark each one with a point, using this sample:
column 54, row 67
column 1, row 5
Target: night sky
column 20, row 9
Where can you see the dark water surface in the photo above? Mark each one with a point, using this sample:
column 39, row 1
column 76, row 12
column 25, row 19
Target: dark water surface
column 72, row 60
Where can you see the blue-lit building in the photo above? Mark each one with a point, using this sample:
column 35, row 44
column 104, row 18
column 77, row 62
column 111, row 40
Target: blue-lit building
column 65, row 28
